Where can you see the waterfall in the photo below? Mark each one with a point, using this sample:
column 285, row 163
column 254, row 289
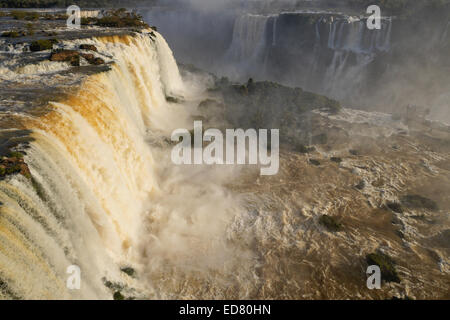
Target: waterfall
column 274, row 31
column 92, row 173
column 249, row 35
column 353, row 35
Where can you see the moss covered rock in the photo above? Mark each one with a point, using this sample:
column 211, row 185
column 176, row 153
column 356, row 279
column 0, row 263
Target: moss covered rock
column 386, row 264
column 14, row 164
column 118, row 296
column 41, row 45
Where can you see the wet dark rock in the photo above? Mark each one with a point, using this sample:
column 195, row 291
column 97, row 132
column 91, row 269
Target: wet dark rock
column 414, row 201
column 395, row 206
column 13, row 34
column 172, row 99
column 336, row 159
column 129, row 271
column 330, row 223
column 90, row 47
column 92, row 59
column 361, row 185
column 14, row 164
column 88, row 56
column 386, row 264
column 97, row 61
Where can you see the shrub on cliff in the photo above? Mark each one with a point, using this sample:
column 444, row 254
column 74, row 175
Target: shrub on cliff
column 119, row 18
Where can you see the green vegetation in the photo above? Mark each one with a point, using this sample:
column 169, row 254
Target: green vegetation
column 11, row 34
column 118, row 18
column 118, row 296
column 330, row 223
column 25, row 15
column 16, row 154
column 386, row 264
column 41, row 45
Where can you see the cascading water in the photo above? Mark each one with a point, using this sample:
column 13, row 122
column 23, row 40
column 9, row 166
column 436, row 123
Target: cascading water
column 354, row 47
column 331, row 54
column 92, row 173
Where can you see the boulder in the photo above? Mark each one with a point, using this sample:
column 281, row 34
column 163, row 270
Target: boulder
column 88, row 56
column 330, row 223
column 41, row 45
column 89, row 47
column 386, row 264
column 14, row 164
column 97, row 61
column 63, row 55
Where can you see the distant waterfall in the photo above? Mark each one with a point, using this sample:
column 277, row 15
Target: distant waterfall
column 354, row 47
column 249, row 35
column 253, row 35
column 353, row 35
